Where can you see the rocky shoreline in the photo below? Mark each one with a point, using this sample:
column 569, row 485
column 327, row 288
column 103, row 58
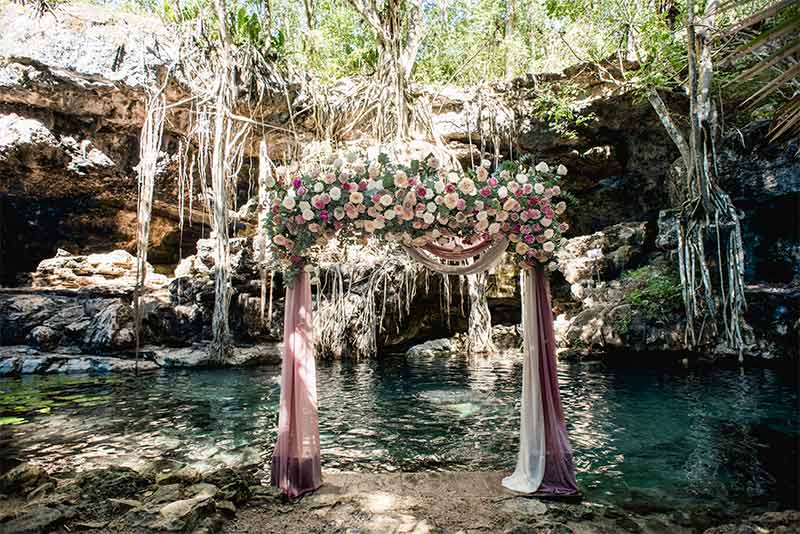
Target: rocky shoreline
column 168, row 497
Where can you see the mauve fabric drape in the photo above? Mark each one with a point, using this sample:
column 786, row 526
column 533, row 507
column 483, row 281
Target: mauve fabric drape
column 296, row 461
column 559, row 470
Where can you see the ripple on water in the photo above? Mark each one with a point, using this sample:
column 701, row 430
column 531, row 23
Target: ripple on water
column 722, row 436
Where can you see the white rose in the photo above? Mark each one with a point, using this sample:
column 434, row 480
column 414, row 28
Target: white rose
column 318, row 187
column 289, row 203
column 387, row 200
column 431, row 207
column 548, row 233
column 482, row 225
column 561, row 170
column 308, row 215
column 428, row 218
column 494, row 228
column 304, row 206
column 548, row 246
column 542, row 167
column 482, row 216
column 389, row 214
column 467, row 186
column 502, row 192
column 546, row 222
column 374, row 169
column 522, row 178
column 552, row 266
column 538, row 189
column 335, row 193
column 439, row 187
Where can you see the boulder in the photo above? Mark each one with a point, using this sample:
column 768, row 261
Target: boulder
column 603, row 254
column 23, row 479
column 33, row 520
column 111, row 329
column 44, row 338
column 183, row 475
column 116, row 269
column 111, row 482
column 185, row 514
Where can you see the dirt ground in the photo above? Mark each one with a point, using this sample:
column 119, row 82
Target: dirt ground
column 433, row 502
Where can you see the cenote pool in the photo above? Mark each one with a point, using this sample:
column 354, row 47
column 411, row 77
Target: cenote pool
column 727, row 437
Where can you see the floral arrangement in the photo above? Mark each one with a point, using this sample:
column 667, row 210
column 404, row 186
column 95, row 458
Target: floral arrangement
column 415, row 205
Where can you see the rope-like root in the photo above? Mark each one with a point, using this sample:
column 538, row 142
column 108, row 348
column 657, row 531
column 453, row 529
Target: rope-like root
column 355, row 298
column 149, row 150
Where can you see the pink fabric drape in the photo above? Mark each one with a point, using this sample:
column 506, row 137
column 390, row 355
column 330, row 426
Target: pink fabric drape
column 559, row 470
column 457, row 255
column 296, row 461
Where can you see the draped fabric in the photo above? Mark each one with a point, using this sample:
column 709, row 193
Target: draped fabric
column 559, row 472
column 458, row 255
column 492, row 253
column 296, row 461
column 544, row 463
column 528, row 475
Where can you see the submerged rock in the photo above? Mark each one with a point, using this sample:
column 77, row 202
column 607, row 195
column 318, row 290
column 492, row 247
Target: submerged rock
column 431, row 348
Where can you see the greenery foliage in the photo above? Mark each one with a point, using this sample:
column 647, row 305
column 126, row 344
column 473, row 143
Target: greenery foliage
column 473, row 41
column 655, row 291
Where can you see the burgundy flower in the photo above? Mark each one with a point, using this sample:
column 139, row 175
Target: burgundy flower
column 276, row 210
column 486, row 192
column 323, row 215
column 362, row 185
column 297, row 183
column 450, row 188
column 421, row 192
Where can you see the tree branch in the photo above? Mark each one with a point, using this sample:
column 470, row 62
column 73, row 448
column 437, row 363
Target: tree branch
column 673, row 131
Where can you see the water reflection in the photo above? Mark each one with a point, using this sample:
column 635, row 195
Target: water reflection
column 724, row 436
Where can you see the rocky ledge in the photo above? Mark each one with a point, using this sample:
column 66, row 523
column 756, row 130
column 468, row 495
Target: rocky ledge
column 165, row 496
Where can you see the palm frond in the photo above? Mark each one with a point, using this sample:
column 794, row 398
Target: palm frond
column 783, row 48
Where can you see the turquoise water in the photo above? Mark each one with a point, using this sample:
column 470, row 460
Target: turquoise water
column 671, row 435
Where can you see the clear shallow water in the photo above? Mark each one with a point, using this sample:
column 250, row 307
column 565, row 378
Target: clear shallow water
column 677, row 436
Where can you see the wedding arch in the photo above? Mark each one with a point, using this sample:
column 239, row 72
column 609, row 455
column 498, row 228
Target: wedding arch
column 442, row 218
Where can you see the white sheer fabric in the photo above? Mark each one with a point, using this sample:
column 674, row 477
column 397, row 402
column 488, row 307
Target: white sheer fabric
column 528, row 475
column 487, row 260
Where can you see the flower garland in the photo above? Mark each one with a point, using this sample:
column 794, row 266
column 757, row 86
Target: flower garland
column 415, row 205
